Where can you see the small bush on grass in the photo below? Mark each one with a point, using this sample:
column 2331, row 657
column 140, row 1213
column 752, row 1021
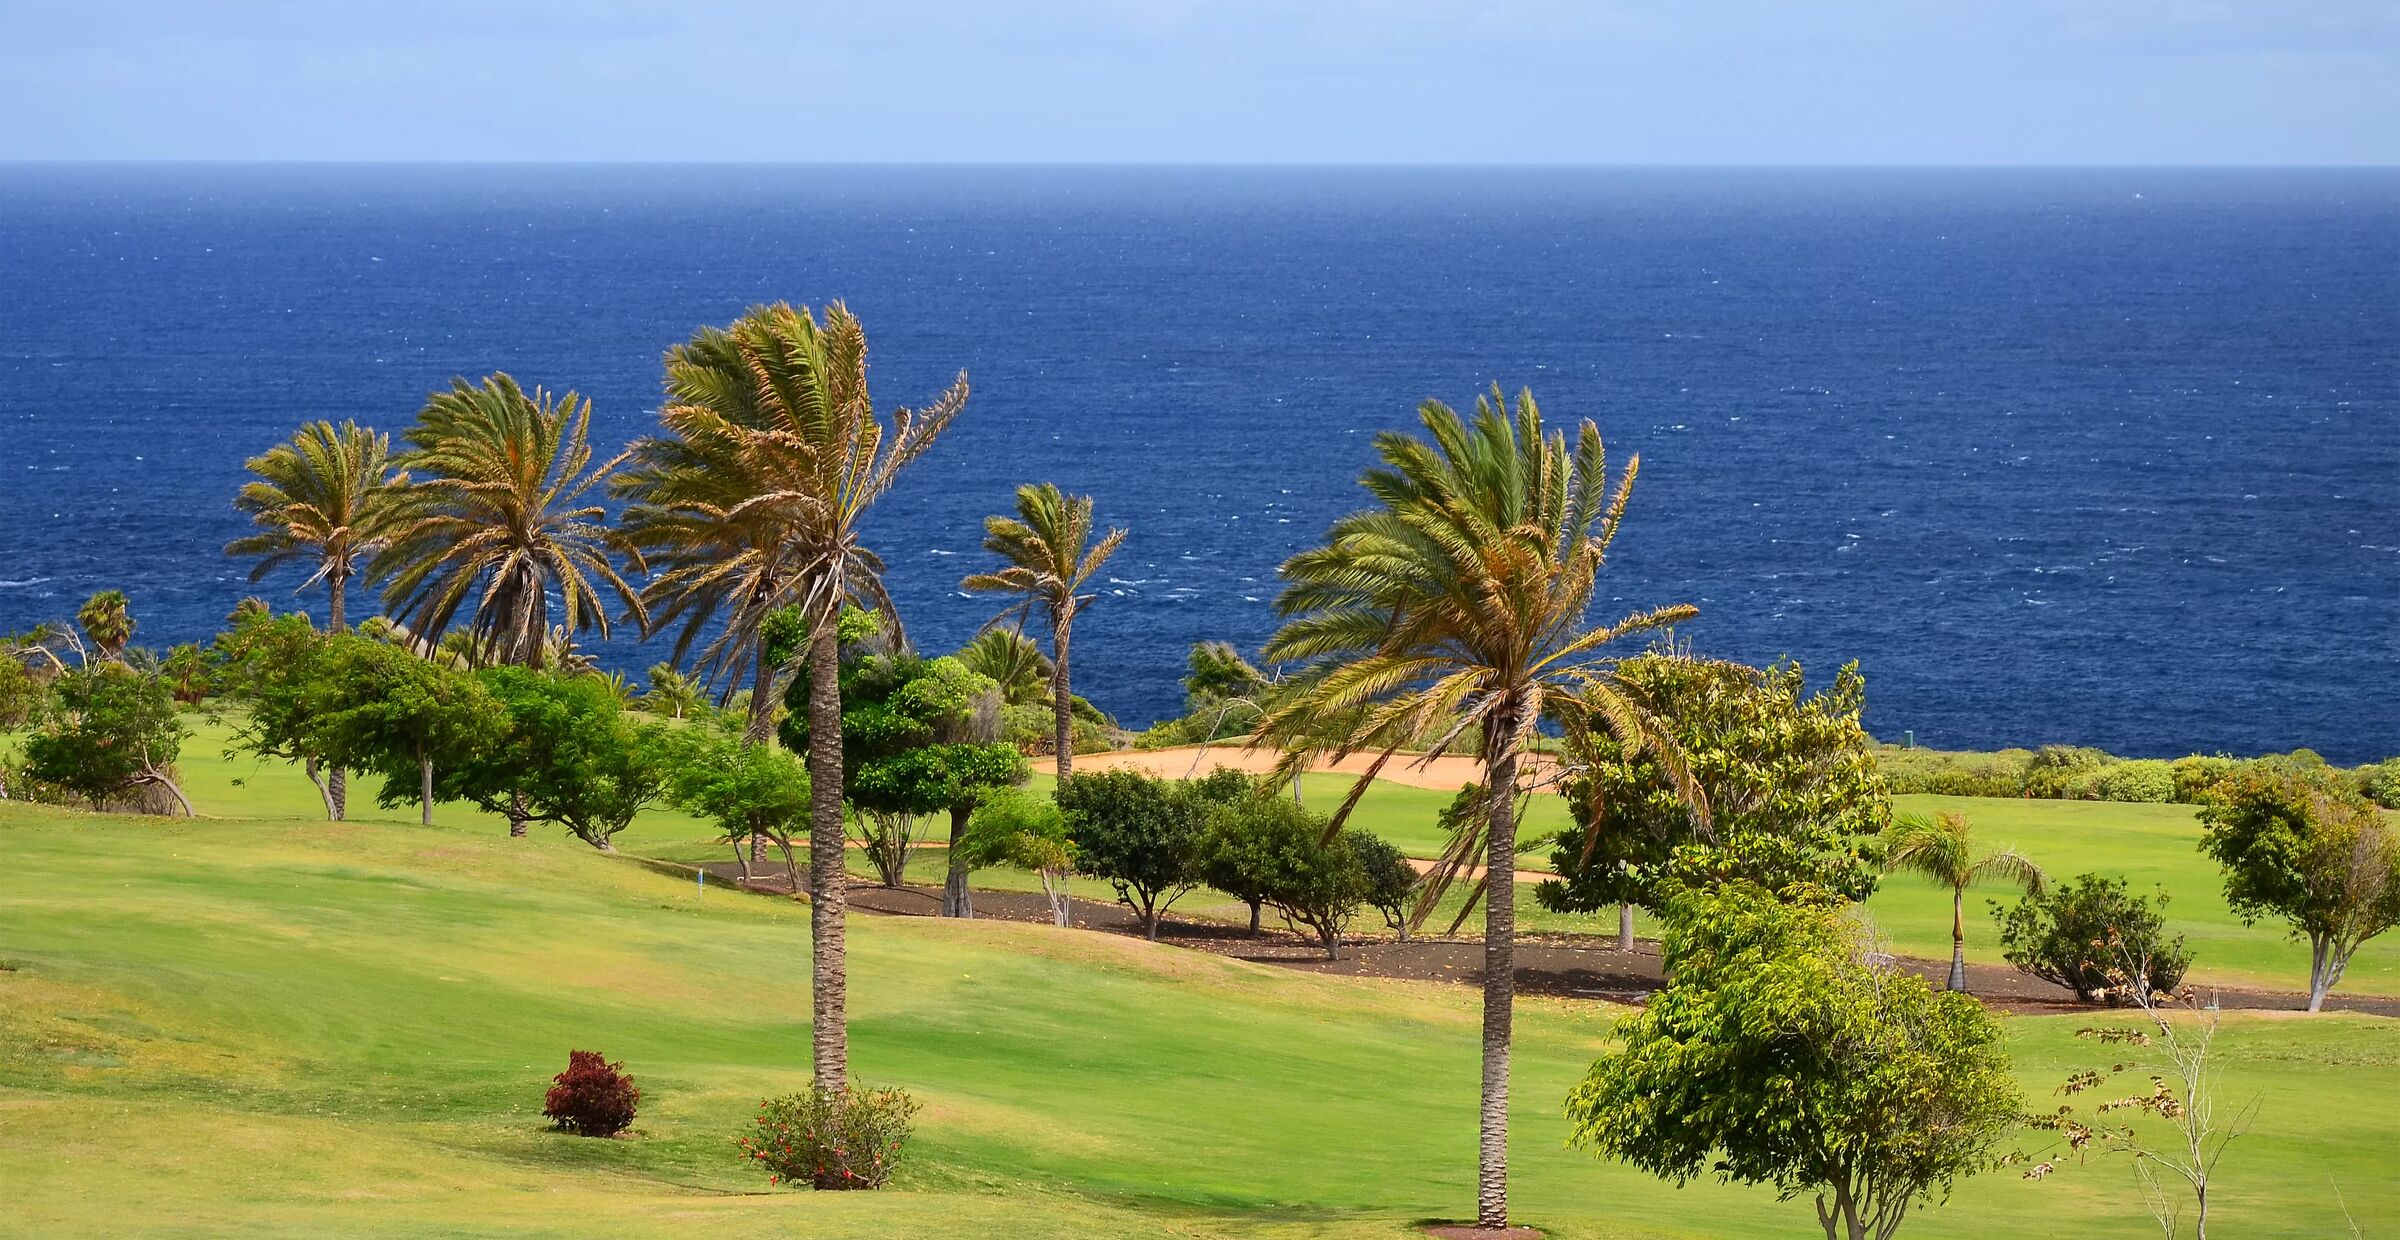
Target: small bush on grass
column 593, row 1097
column 831, row 1139
column 2081, row 932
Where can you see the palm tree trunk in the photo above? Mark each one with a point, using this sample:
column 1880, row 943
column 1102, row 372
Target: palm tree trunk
column 828, row 890
column 1499, row 977
column 337, row 780
column 1958, row 939
column 425, row 790
column 762, row 699
column 1062, row 700
column 955, row 900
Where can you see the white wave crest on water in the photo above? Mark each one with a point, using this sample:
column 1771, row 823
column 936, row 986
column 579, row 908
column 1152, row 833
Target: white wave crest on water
column 29, row 581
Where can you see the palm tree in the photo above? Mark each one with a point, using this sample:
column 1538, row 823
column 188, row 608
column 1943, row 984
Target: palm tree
column 1454, row 608
column 672, row 693
column 1013, row 661
column 498, row 516
column 1051, row 557
column 1942, row 848
column 751, row 501
column 107, row 621
column 324, row 500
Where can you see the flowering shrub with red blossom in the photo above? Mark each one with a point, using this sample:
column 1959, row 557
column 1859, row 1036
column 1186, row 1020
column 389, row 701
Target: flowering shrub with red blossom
column 593, row 1097
column 831, row 1139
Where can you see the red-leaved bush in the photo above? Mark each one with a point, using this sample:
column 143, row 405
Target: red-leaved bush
column 593, row 1097
column 831, row 1139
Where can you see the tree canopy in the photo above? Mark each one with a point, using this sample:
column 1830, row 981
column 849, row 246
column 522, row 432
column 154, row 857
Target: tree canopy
column 1779, row 1054
column 2298, row 846
column 1796, row 805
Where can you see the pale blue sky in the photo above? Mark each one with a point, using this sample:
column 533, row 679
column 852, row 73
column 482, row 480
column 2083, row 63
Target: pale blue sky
column 1337, row 81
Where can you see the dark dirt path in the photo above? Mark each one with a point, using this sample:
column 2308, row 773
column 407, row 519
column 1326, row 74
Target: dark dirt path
column 1556, row 965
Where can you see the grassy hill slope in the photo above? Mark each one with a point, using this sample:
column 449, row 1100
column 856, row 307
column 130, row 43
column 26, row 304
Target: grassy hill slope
column 280, row 1027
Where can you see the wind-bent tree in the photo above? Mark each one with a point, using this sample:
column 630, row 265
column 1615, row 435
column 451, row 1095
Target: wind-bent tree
column 750, row 500
column 107, row 621
column 1050, row 558
column 1455, row 607
column 2300, row 846
column 1942, row 848
column 324, row 501
column 498, row 521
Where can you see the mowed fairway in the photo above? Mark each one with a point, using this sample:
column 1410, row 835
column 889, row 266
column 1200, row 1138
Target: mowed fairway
column 284, row 1027
column 2151, row 846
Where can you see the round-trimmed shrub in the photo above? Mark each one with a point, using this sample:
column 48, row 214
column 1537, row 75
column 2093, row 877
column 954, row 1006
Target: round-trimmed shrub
column 2142, row 779
column 831, row 1139
column 593, row 1097
column 2088, row 934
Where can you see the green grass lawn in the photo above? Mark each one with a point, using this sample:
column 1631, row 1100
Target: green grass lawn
column 2151, row 846
column 284, row 1027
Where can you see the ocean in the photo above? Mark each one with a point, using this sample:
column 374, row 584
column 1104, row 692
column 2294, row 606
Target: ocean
column 2106, row 457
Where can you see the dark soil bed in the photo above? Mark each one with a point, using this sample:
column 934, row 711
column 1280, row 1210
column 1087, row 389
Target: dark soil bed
column 1571, row 966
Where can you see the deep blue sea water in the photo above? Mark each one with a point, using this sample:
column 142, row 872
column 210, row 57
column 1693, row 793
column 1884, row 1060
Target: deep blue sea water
column 2107, row 457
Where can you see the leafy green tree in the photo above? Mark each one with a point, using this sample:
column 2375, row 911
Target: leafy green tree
column 1455, row 608
column 499, row 520
column 1281, row 854
column 752, row 499
column 1391, row 882
column 1237, row 858
column 107, row 623
column 1793, row 798
column 1778, row 1054
column 1049, row 558
column 108, row 731
column 568, row 755
column 380, row 709
column 919, row 737
column 1014, row 827
column 1140, row 833
column 272, row 669
column 1943, row 848
column 324, row 501
column 751, row 792
column 2297, row 845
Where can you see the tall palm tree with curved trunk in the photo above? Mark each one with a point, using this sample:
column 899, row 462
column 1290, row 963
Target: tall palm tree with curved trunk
column 750, row 500
column 323, row 501
column 499, row 520
column 1454, row 608
column 1942, row 848
column 1050, row 559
